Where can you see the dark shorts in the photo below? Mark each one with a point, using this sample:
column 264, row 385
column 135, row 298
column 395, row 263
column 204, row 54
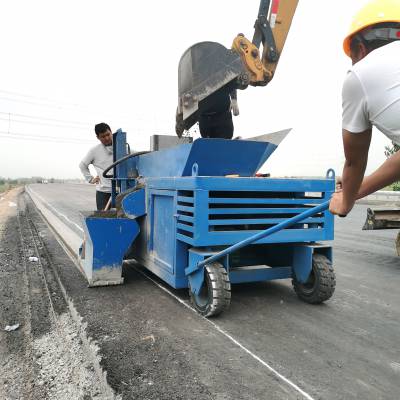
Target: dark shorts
column 217, row 125
column 102, row 199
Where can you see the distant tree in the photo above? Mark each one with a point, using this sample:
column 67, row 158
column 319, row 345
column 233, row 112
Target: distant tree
column 389, row 151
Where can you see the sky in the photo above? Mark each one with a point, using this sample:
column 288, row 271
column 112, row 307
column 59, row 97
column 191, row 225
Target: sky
column 67, row 65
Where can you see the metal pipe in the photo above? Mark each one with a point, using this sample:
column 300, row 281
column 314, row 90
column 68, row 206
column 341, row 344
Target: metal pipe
column 285, row 224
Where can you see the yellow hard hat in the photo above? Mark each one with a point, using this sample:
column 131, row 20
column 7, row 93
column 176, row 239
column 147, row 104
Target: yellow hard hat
column 375, row 12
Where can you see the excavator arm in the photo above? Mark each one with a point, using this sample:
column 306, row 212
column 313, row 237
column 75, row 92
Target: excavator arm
column 208, row 69
column 270, row 30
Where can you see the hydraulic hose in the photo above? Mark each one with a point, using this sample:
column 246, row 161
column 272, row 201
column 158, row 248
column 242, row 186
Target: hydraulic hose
column 115, row 163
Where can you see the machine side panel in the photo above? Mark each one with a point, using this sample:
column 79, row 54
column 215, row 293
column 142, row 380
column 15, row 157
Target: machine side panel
column 163, row 225
column 225, row 211
column 156, row 247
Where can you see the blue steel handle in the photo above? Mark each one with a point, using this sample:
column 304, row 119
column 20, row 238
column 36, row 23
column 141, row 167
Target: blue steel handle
column 285, row 224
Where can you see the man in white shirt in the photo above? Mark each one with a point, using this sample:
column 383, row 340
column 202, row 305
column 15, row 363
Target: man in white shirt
column 101, row 157
column 371, row 97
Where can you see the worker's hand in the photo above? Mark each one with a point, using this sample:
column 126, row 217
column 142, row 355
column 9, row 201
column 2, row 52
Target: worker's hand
column 234, row 107
column 94, row 180
column 336, row 205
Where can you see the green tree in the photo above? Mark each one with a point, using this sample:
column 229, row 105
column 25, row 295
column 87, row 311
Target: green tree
column 389, row 151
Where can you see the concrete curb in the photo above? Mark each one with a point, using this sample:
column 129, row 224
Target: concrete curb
column 383, row 196
column 69, row 238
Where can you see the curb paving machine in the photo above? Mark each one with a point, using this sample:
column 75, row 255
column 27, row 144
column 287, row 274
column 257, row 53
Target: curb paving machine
column 195, row 214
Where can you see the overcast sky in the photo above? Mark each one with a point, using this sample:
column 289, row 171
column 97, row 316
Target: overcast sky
column 67, row 65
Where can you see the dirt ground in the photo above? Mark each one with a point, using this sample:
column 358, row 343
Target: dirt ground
column 46, row 356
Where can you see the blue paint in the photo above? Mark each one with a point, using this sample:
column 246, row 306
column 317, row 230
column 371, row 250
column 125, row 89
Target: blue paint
column 214, row 157
column 302, row 262
column 258, row 236
column 190, row 214
column 134, row 205
column 106, row 242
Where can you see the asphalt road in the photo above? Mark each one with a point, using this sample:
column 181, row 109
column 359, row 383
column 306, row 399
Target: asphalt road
column 269, row 345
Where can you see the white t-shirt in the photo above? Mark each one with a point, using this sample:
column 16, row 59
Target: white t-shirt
column 371, row 93
column 100, row 157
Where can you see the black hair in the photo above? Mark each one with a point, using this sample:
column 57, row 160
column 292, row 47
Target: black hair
column 101, row 128
column 372, row 44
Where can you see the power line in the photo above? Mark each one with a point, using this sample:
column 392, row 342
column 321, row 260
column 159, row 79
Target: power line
column 51, row 103
column 47, row 119
column 8, row 92
column 33, row 103
column 42, row 124
column 43, row 138
column 41, row 99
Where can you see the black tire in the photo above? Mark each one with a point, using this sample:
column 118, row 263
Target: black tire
column 320, row 284
column 215, row 294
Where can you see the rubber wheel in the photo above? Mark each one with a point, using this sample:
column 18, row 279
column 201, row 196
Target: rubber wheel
column 215, row 294
column 320, row 284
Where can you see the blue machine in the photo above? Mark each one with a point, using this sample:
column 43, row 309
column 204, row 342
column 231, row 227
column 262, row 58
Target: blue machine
column 196, row 216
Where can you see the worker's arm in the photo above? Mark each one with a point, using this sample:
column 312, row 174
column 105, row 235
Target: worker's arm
column 356, row 146
column 84, row 167
column 386, row 174
column 356, row 133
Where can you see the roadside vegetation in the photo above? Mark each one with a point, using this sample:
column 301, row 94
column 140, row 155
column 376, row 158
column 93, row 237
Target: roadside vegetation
column 8, row 183
column 389, row 151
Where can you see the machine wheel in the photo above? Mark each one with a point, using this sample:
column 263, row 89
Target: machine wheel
column 320, row 284
column 215, row 294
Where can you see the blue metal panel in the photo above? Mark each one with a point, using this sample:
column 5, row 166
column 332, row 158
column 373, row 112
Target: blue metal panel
column 214, row 157
column 281, row 201
column 259, row 221
column 162, row 233
column 185, row 218
column 185, row 199
column 284, row 236
column 164, row 163
column 270, row 231
column 217, row 211
column 219, row 157
column 302, row 262
column 243, row 184
column 134, row 204
column 185, row 227
column 196, row 274
column 201, row 206
column 185, row 208
column 106, row 242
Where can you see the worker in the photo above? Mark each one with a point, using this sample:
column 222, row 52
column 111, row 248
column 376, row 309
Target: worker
column 100, row 156
column 215, row 114
column 370, row 97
